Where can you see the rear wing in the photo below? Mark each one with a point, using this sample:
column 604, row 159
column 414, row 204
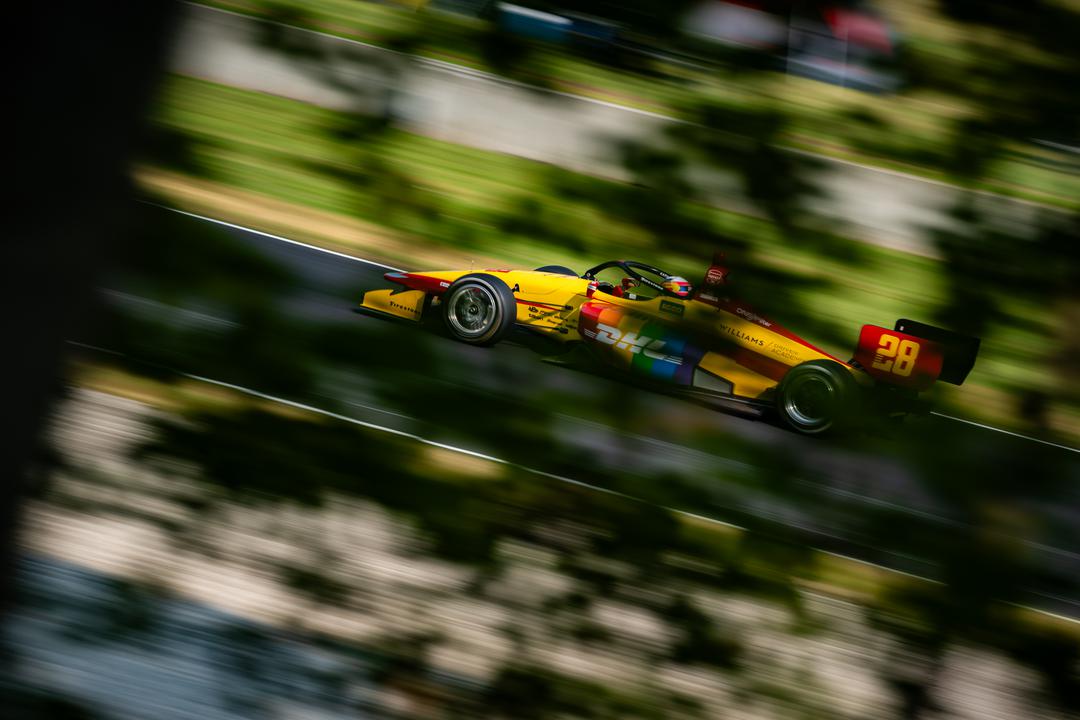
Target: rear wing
column 959, row 350
column 914, row 355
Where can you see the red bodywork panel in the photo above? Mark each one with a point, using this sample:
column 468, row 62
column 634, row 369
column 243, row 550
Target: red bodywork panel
column 897, row 358
column 416, row 281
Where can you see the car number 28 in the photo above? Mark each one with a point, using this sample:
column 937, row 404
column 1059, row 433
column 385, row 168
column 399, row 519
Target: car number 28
column 895, row 355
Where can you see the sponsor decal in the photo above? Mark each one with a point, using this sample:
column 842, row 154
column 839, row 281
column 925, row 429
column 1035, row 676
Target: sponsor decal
column 714, row 276
column 406, row 308
column 734, row 332
column 671, row 307
column 753, row 316
column 783, row 351
column 647, row 346
column 443, row 283
column 538, row 313
column 533, row 305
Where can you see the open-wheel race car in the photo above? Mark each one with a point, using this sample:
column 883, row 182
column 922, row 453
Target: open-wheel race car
column 639, row 320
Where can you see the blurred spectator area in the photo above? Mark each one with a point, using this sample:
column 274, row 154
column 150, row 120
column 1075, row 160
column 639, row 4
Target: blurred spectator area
column 844, row 44
column 848, row 44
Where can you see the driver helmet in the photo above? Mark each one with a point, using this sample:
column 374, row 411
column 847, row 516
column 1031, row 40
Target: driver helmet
column 677, row 286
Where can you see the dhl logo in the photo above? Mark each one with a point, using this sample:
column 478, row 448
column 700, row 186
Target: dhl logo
column 647, row 346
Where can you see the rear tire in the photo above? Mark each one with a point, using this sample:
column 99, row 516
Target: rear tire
column 817, row 397
column 479, row 309
column 558, row 269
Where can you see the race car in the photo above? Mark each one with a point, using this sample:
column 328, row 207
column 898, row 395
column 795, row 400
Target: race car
column 636, row 319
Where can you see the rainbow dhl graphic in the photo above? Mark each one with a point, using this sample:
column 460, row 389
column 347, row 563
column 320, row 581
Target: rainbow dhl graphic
column 639, row 320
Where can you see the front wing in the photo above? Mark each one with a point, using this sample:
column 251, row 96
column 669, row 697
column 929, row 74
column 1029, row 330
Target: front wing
column 402, row 304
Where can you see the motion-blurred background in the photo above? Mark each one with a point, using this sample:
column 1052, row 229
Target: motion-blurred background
column 230, row 497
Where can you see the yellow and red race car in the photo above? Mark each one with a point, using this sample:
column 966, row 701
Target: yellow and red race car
column 646, row 322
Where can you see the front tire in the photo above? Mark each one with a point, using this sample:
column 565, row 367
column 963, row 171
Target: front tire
column 816, row 397
column 479, row 309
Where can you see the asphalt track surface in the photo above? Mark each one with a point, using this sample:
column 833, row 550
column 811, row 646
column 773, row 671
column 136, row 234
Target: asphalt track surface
column 845, row 481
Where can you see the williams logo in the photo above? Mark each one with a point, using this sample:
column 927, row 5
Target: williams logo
column 734, row 332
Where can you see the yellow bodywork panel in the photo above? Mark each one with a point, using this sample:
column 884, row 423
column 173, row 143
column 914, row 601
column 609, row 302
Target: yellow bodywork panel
column 549, row 315
column 744, row 381
column 408, row 304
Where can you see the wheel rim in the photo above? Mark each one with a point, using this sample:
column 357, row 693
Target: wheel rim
column 472, row 311
column 810, row 400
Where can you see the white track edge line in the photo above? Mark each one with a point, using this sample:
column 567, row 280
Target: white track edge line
column 274, row 237
column 443, row 446
column 423, row 440
column 1007, row 432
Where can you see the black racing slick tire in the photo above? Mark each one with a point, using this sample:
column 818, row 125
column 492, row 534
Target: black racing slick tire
column 816, row 397
column 479, row 309
column 558, row 269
